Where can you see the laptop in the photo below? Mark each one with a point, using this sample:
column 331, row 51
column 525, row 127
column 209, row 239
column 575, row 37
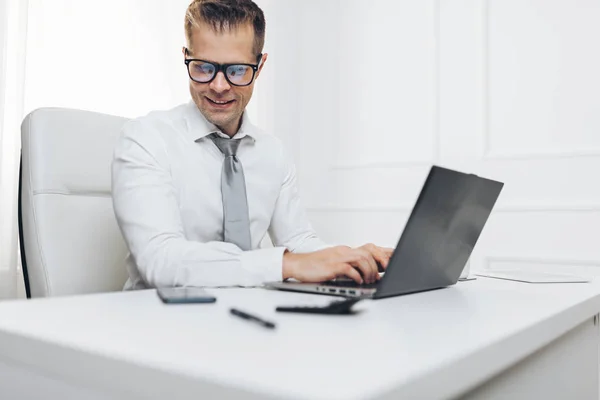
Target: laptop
column 436, row 243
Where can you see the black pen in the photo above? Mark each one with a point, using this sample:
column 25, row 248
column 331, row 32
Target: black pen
column 249, row 317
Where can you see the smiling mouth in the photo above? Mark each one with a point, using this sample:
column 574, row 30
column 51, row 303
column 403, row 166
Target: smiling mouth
column 219, row 103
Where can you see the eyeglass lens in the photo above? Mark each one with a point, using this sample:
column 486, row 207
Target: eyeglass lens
column 237, row 74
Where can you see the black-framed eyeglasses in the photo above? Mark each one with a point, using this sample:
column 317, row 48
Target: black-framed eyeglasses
column 203, row 71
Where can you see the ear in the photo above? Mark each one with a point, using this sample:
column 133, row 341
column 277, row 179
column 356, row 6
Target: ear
column 261, row 64
column 184, row 51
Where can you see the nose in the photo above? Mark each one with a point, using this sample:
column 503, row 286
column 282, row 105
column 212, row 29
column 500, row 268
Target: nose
column 220, row 84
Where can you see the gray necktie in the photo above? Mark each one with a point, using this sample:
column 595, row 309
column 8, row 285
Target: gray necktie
column 236, row 224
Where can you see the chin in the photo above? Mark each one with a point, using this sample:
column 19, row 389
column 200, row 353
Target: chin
column 217, row 119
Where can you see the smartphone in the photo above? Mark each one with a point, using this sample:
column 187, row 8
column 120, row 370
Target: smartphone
column 184, row 295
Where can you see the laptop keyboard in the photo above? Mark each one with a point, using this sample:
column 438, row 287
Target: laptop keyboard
column 350, row 284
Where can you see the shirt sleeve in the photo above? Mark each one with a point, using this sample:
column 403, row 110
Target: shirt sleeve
column 147, row 211
column 290, row 226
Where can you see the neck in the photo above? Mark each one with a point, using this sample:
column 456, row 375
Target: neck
column 231, row 129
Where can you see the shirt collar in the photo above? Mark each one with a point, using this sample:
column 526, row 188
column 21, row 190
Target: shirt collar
column 198, row 127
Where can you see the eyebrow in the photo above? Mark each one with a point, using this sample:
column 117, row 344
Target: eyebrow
column 189, row 53
column 225, row 63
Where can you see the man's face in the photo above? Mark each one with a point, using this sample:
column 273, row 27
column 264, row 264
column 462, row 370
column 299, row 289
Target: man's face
column 220, row 102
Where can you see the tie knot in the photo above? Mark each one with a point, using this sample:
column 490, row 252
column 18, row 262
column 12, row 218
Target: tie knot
column 227, row 146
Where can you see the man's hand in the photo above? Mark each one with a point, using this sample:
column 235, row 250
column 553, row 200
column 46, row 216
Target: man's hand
column 380, row 254
column 337, row 261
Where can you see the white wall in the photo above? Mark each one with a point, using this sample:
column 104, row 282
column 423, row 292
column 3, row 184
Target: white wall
column 504, row 88
column 118, row 57
column 12, row 46
column 7, row 276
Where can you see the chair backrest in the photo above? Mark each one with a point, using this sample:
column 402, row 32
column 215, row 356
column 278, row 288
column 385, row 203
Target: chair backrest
column 70, row 240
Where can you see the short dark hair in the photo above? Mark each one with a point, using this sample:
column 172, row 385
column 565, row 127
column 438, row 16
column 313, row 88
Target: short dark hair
column 223, row 15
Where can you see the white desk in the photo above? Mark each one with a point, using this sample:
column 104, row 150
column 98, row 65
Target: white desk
column 480, row 339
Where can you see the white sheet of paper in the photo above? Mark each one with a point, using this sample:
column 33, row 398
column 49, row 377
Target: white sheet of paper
column 533, row 277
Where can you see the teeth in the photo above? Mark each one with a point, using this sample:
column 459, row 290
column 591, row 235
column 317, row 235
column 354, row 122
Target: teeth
column 219, row 102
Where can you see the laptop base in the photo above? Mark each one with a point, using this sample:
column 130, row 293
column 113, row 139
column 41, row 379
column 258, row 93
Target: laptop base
column 327, row 289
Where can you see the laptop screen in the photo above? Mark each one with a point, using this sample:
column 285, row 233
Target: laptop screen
column 441, row 232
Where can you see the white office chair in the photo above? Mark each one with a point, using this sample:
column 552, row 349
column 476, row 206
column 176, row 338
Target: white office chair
column 70, row 241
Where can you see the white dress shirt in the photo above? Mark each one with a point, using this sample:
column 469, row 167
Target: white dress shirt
column 166, row 188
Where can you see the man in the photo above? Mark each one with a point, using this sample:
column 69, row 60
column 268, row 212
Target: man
column 196, row 188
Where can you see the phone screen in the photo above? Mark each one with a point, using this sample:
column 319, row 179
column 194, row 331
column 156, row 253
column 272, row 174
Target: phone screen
column 185, row 295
